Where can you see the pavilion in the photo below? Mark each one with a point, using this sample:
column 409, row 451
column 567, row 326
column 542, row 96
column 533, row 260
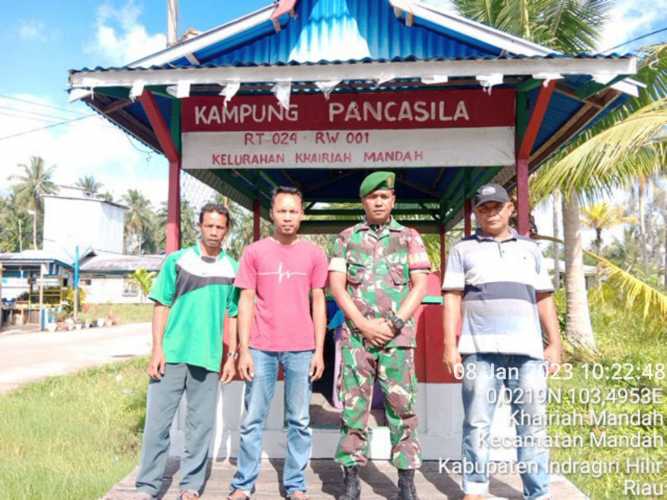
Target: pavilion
column 315, row 93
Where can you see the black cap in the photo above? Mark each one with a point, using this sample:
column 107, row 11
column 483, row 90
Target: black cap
column 490, row 192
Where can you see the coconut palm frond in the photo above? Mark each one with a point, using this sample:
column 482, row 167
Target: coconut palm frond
column 606, row 160
column 602, row 215
column 575, row 26
column 638, row 295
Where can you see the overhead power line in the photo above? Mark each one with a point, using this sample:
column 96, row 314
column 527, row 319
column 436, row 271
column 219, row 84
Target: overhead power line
column 35, row 103
column 29, row 113
column 46, row 127
column 640, row 37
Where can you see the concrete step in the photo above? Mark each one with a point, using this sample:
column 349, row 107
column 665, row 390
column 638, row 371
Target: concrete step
column 325, row 482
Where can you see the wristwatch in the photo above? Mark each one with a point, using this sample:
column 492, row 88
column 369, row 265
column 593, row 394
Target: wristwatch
column 233, row 354
column 396, row 323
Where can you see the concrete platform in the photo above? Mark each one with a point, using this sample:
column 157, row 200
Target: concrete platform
column 324, row 479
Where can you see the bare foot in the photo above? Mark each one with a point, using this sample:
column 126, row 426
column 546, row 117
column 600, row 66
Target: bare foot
column 473, row 497
column 239, row 495
column 298, row 495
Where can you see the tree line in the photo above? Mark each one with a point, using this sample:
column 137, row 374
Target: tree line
column 22, row 214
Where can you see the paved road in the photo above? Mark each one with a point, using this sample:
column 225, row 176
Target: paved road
column 32, row 356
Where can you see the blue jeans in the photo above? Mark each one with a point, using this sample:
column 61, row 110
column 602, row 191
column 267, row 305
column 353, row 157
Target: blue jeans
column 484, row 376
column 258, row 396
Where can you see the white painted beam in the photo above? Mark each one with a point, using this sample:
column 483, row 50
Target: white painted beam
column 359, row 71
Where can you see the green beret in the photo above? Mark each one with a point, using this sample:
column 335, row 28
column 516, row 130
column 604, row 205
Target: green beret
column 375, row 181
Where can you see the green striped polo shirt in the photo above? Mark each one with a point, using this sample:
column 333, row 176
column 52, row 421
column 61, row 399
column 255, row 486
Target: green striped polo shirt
column 198, row 290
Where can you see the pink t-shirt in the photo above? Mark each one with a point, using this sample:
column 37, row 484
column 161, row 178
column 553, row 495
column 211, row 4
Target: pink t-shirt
column 282, row 277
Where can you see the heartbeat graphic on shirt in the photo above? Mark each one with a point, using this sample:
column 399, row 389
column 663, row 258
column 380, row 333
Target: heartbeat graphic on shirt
column 281, row 273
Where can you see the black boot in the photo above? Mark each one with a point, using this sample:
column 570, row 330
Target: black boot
column 351, row 483
column 406, row 485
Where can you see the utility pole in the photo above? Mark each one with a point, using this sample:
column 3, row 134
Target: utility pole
column 42, row 320
column 172, row 22
column 75, row 283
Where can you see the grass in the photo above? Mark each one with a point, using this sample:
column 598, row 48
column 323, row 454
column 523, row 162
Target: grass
column 622, row 338
column 72, row 437
column 124, row 313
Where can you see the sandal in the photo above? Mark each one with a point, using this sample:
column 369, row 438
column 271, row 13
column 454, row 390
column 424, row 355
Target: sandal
column 188, row 495
column 293, row 496
column 245, row 497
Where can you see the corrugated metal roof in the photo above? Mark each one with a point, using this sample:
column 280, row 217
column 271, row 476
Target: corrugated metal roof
column 36, row 257
column 335, row 30
column 368, row 28
column 323, row 62
column 109, row 263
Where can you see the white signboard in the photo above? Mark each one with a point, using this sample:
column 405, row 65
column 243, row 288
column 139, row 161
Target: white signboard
column 394, row 129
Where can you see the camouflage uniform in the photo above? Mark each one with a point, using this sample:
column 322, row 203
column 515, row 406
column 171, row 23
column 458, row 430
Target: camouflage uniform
column 378, row 262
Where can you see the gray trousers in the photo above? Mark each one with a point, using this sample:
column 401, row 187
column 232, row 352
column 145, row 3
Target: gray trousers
column 164, row 396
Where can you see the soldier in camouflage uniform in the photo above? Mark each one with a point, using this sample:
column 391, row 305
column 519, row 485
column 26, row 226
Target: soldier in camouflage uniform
column 378, row 277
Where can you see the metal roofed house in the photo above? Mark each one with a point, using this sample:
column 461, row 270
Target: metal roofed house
column 105, row 277
column 344, row 87
column 21, row 269
column 29, row 278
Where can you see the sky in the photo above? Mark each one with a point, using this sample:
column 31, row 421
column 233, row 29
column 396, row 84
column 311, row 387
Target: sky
column 42, row 40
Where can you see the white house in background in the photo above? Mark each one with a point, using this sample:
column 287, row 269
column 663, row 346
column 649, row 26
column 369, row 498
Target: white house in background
column 71, row 218
column 589, row 271
column 105, row 277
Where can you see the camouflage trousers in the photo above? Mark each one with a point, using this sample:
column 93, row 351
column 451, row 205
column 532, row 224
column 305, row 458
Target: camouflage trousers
column 394, row 369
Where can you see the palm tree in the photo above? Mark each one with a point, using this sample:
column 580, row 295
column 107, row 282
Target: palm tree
column 661, row 204
column 144, row 280
column 602, row 216
column 242, row 226
column 13, row 222
column 35, row 182
column 619, row 150
column 189, row 231
column 570, row 27
column 573, row 27
column 106, row 196
column 138, row 220
column 89, row 185
column 555, row 205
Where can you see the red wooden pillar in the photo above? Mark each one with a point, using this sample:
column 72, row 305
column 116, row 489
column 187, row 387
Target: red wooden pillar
column 523, row 157
column 256, row 215
column 174, row 207
column 443, row 251
column 467, row 217
column 522, row 197
column 163, row 135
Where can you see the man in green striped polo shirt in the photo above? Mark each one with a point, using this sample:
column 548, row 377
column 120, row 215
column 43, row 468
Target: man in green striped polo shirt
column 193, row 291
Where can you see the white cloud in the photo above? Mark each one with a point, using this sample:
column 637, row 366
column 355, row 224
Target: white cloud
column 32, row 30
column 119, row 36
column 628, row 19
column 90, row 146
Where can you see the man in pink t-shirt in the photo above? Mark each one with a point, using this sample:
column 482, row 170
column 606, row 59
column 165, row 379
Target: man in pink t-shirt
column 281, row 321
